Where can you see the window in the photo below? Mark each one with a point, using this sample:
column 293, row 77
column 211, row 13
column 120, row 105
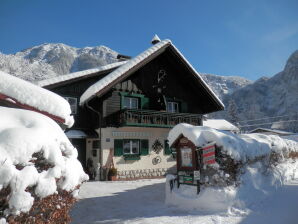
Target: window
column 172, row 107
column 73, row 104
column 130, row 103
column 131, row 147
column 95, row 144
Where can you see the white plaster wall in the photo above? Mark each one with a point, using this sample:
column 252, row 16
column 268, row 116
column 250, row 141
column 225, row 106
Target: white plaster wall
column 145, row 163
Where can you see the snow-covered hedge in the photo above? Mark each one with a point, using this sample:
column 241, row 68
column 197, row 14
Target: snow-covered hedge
column 38, row 165
column 246, row 165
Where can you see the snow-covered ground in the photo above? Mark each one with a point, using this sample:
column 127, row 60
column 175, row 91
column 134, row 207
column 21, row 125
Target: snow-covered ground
column 142, row 201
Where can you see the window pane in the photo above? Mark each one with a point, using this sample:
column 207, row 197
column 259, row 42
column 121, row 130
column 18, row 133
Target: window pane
column 135, row 146
column 130, row 103
column 126, row 147
column 172, row 107
column 176, row 107
column 134, row 103
column 126, row 102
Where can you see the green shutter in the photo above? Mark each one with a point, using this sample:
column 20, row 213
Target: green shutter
column 144, row 147
column 167, row 148
column 118, row 147
column 184, row 108
column 144, row 103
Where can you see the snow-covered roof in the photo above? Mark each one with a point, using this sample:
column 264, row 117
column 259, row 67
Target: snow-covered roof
column 132, row 65
column 22, row 134
column 29, row 96
column 279, row 132
column 220, row 124
column 75, row 75
column 81, row 134
column 239, row 147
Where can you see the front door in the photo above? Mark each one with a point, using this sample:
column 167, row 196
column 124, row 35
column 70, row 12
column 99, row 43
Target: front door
column 80, row 145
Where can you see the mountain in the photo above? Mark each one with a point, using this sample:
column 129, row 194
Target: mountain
column 50, row 60
column 270, row 97
column 225, row 85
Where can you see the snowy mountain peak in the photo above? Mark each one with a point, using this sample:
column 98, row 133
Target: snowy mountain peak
column 52, row 59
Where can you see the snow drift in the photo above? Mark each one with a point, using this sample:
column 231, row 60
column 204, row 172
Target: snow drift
column 36, row 97
column 36, row 160
column 261, row 164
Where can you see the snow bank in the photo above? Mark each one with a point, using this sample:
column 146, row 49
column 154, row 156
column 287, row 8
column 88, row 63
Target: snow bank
column 31, row 95
column 256, row 178
column 25, row 137
column 239, row 147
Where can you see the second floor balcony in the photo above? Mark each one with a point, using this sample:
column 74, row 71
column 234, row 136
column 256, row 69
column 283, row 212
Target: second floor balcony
column 151, row 118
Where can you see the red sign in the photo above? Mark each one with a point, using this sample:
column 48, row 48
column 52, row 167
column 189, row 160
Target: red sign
column 209, row 154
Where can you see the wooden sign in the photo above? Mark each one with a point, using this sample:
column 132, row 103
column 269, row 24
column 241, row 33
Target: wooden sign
column 208, row 152
column 183, row 140
column 196, row 175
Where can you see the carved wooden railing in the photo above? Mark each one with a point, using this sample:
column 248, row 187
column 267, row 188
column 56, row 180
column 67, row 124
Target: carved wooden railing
column 153, row 118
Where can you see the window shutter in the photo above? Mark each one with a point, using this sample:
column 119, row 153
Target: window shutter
column 144, row 103
column 167, row 148
column 184, row 108
column 144, row 147
column 118, row 147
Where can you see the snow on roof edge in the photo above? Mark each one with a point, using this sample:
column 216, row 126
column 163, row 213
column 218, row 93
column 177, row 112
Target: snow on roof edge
column 99, row 85
column 74, row 75
column 36, row 97
column 220, row 124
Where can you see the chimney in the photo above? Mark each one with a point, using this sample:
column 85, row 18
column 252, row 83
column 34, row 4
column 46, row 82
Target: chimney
column 155, row 39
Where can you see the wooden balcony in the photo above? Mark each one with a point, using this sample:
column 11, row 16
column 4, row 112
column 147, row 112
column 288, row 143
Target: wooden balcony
column 151, row 118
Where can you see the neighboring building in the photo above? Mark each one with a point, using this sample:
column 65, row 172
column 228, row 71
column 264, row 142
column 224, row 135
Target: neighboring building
column 124, row 111
column 220, row 124
column 267, row 131
column 18, row 93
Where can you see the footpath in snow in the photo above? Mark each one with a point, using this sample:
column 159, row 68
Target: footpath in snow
column 142, row 201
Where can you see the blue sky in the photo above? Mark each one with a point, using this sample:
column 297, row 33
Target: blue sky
column 249, row 38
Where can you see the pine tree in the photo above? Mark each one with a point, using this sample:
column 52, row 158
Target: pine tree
column 232, row 112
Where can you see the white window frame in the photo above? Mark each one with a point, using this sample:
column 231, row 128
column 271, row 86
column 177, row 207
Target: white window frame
column 131, row 146
column 130, row 102
column 171, row 107
column 73, row 102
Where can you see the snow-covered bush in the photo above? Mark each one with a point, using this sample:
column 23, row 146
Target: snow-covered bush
column 249, row 164
column 39, row 171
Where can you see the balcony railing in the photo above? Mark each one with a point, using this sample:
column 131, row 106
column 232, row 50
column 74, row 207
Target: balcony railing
column 152, row 118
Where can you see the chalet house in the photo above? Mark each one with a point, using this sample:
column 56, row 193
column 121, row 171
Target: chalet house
column 124, row 111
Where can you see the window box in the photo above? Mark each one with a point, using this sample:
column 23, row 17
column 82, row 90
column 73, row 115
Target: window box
column 131, row 157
